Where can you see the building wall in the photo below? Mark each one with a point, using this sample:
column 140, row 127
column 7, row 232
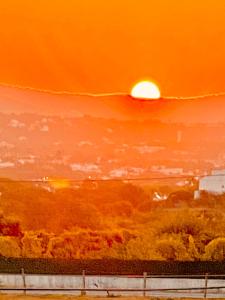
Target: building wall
column 213, row 184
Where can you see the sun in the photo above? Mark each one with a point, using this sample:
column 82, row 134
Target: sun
column 145, row 90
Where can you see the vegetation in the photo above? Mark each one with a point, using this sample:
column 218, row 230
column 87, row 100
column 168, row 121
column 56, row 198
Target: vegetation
column 110, row 220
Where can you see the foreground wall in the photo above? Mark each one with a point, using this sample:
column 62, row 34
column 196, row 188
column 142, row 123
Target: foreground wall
column 104, row 282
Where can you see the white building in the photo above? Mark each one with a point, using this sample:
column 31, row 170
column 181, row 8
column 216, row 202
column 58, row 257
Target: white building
column 214, row 183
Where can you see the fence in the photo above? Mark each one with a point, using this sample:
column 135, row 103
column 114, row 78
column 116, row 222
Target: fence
column 109, row 266
column 144, row 285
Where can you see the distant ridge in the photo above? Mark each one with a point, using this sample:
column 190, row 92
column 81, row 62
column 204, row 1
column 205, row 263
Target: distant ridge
column 54, row 92
column 201, row 109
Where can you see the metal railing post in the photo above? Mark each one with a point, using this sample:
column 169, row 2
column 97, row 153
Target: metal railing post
column 206, row 285
column 24, row 280
column 144, row 283
column 83, row 292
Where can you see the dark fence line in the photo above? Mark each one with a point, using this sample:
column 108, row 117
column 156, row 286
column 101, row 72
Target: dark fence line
column 110, row 267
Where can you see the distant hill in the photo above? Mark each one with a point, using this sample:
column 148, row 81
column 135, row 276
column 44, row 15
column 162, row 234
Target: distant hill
column 209, row 109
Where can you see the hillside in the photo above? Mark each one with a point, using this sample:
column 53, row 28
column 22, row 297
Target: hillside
column 209, row 109
column 33, row 146
column 109, row 137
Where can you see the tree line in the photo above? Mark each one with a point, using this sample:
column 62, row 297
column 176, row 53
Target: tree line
column 110, row 220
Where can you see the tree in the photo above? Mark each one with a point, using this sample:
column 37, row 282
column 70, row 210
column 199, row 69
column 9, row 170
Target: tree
column 172, row 248
column 31, row 245
column 142, row 247
column 192, row 249
column 9, row 246
column 215, row 250
column 9, row 226
column 179, row 197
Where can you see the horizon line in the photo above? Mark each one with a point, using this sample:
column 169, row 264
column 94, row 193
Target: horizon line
column 70, row 93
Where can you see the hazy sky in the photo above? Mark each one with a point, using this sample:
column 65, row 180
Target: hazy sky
column 107, row 45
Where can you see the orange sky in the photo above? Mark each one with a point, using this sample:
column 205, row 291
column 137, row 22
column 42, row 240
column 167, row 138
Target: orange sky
column 107, row 45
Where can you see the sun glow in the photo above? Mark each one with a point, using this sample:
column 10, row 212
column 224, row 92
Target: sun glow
column 145, row 90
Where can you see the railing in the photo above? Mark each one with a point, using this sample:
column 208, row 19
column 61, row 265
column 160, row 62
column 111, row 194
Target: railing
column 110, row 290
column 143, row 291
